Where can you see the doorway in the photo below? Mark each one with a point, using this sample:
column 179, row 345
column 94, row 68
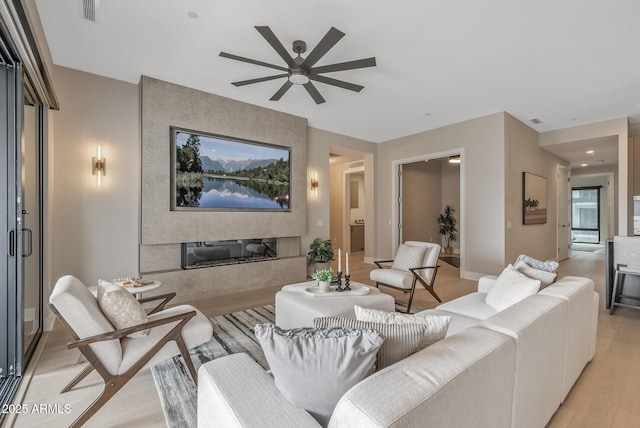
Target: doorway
column 424, row 187
column 564, row 213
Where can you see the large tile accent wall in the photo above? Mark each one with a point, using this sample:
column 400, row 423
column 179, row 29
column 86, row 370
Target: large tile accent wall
column 164, row 105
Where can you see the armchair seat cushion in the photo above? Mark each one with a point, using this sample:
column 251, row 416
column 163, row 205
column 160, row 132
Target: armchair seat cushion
column 396, row 278
column 197, row 331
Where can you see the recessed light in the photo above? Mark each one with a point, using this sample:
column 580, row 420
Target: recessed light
column 192, row 14
column 590, row 152
column 584, row 164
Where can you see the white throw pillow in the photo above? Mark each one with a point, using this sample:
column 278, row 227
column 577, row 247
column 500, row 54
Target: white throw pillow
column 121, row 308
column 400, row 340
column 313, row 368
column 545, row 278
column 511, row 287
column 548, row 265
column 409, row 256
column 437, row 326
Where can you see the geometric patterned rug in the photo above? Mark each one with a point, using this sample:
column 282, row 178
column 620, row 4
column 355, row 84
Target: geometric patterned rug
column 232, row 333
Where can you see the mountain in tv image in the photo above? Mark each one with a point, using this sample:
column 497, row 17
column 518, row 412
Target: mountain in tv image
column 233, row 165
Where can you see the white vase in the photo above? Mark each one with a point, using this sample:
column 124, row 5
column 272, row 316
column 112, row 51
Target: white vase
column 324, row 286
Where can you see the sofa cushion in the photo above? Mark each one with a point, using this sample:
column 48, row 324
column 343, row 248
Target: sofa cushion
column 121, row 308
column 436, row 325
column 538, row 325
column 400, row 340
column 408, row 256
column 472, row 305
column 458, row 323
column 511, row 287
column 465, row 380
column 313, row 368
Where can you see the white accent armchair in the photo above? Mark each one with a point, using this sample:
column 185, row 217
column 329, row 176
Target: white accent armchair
column 116, row 357
column 403, row 275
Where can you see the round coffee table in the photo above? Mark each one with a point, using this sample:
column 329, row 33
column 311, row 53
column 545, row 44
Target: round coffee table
column 136, row 291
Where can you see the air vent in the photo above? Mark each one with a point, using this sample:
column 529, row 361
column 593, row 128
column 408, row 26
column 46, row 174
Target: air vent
column 536, row 121
column 89, row 8
column 357, row 164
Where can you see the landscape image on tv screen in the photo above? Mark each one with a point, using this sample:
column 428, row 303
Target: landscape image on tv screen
column 217, row 173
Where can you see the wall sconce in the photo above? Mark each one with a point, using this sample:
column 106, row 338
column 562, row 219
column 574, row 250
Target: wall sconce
column 99, row 167
column 314, row 186
column 454, row 159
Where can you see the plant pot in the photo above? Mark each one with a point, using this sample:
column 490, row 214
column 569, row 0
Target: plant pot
column 324, row 286
column 448, row 250
column 321, row 266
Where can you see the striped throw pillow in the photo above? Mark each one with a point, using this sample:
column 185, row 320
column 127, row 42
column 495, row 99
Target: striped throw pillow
column 400, row 340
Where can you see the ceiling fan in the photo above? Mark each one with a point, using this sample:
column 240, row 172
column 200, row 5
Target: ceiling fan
column 301, row 71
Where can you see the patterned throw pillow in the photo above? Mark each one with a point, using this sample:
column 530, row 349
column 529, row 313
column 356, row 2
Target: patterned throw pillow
column 400, row 340
column 437, row 326
column 549, row 265
column 121, row 308
column 313, row 368
column 409, row 256
column 511, row 287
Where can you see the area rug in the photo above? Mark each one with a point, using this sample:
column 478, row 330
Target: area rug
column 588, row 248
column 232, row 333
column 453, row 261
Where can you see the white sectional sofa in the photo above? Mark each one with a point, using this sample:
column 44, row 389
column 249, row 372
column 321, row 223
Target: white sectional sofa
column 494, row 369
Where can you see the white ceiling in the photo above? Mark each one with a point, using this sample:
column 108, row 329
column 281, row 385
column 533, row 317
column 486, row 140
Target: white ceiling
column 439, row 62
column 605, row 152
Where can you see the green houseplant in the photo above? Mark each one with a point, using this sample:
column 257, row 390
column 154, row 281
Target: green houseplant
column 447, row 223
column 324, row 278
column 320, row 251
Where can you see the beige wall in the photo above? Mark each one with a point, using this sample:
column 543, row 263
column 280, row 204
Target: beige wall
column 94, row 232
column 319, row 145
column 523, row 154
column 482, row 212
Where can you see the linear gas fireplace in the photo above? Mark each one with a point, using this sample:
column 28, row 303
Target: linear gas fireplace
column 204, row 254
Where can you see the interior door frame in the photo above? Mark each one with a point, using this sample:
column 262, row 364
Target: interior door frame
column 396, row 200
column 567, row 184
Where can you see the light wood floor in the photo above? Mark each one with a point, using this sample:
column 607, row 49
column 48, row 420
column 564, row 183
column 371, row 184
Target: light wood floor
column 604, row 396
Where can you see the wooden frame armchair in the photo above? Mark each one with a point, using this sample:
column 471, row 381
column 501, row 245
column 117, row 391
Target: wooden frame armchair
column 109, row 351
column 405, row 280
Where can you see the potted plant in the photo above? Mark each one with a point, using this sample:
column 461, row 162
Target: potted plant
column 320, row 253
column 324, row 278
column 447, row 223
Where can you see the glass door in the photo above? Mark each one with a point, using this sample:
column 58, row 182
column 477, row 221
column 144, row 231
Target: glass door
column 585, row 215
column 31, row 186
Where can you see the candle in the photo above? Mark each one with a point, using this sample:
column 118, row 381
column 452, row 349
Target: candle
column 347, row 258
column 339, row 260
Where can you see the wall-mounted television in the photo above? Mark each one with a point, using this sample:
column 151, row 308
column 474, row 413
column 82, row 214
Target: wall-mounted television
column 216, row 173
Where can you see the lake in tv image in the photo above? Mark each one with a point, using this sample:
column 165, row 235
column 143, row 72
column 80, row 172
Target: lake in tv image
column 214, row 172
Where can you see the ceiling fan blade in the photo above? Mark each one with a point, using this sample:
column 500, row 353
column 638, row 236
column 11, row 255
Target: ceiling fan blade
column 329, row 40
column 335, row 82
column 283, row 89
column 313, row 91
column 271, row 38
column 252, row 61
column 349, row 65
column 258, row 80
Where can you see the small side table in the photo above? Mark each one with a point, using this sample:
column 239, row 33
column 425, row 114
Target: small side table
column 136, row 291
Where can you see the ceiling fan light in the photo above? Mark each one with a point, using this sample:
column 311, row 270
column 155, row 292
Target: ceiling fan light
column 297, row 77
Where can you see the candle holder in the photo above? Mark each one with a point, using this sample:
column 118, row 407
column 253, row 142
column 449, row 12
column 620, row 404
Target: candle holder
column 339, row 282
column 347, row 280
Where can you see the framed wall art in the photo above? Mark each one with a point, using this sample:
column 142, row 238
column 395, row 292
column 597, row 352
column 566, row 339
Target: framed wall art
column 534, row 199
